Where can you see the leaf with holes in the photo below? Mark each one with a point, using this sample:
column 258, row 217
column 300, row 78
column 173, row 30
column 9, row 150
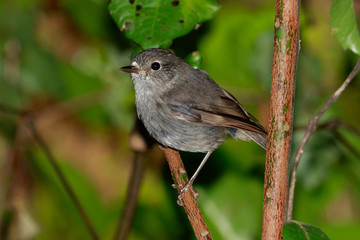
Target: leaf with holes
column 302, row 231
column 343, row 24
column 155, row 23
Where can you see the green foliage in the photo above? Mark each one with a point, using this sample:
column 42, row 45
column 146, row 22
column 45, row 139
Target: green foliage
column 235, row 217
column 195, row 59
column 156, row 23
column 239, row 53
column 302, row 231
column 52, row 200
column 343, row 24
column 61, row 61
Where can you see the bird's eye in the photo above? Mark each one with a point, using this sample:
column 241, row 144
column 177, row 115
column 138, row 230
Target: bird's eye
column 155, row 66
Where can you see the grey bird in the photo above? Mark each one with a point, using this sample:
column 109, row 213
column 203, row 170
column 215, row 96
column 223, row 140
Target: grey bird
column 184, row 109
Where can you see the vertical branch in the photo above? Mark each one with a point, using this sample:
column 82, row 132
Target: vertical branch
column 140, row 143
column 127, row 217
column 189, row 201
column 286, row 45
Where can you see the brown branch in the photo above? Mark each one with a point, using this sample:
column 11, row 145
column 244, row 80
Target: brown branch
column 140, row 142
column 311, row 127
column 132, row 194
column 64, row 182
column 189, row 204
column 285, row 52
column 335, row 124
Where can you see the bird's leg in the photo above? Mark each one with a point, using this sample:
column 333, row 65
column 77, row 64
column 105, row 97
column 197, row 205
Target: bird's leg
column 192, row 179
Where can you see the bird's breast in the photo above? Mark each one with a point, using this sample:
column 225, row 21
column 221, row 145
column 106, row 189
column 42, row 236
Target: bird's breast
column 173, row 132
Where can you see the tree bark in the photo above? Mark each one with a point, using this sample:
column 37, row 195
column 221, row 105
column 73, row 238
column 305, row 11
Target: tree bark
column 285, row 52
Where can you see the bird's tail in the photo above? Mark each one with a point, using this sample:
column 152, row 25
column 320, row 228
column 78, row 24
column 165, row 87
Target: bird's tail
column 258, row 138
column 247, row 136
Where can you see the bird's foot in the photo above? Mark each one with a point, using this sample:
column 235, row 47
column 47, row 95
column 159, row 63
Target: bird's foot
column 183, row 190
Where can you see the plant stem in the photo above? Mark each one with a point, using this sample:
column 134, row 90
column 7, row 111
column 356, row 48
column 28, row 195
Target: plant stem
column 285, row 53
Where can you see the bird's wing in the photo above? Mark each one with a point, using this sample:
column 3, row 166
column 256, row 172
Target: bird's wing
column 224, row 111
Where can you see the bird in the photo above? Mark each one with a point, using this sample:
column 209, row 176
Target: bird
column 183, row 108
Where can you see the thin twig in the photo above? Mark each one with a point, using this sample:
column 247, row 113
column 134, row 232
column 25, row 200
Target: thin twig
column 140, row 143
column 333, row 126
column 64, row 182
column 45, row 148
column 311, row 127
column 12, row 110
column 189, row 204
column 336, row 123
column 346, row 143
column 127, row 217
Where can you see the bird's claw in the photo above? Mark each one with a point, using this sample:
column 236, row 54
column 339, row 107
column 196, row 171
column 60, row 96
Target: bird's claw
column 183, row 190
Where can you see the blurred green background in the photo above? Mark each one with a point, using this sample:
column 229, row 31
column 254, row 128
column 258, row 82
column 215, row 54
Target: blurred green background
column 61, row 59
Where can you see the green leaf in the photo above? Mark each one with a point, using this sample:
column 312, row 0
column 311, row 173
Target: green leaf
column 343, row 24
column 294, row 230
column 156, row 23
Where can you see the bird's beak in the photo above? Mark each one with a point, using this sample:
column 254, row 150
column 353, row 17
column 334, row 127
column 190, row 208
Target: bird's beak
column 130, row 69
